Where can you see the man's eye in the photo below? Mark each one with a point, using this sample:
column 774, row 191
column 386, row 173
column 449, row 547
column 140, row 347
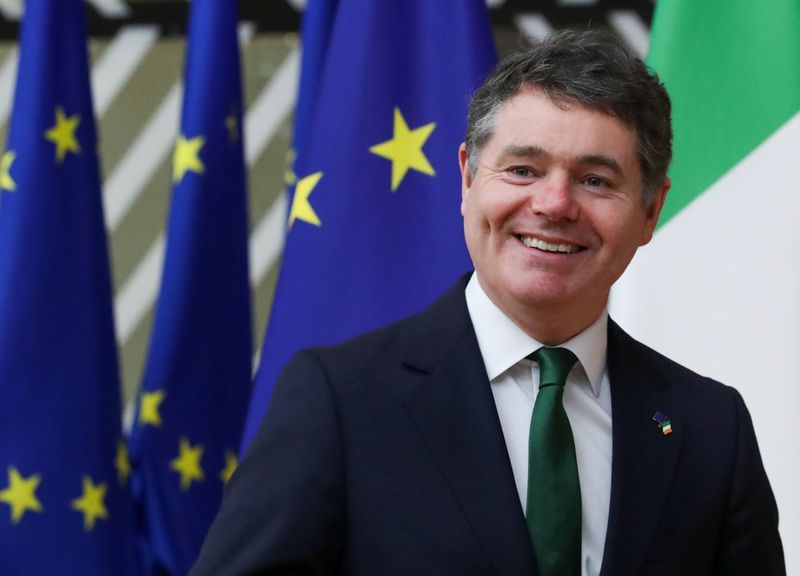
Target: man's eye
column 595, row 181
column 521, row 171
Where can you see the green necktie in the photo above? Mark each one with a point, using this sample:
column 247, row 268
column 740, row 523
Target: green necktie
column 554, row 495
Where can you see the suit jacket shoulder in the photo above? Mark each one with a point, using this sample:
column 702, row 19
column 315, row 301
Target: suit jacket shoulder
column 380, row 455
column 692, row 498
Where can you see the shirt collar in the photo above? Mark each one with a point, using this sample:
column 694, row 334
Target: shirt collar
column 503, row 343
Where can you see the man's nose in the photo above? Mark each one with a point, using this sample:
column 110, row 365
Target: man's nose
column 554, row 198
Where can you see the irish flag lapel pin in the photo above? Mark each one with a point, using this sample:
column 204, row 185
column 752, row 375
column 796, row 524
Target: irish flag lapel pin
column 663, row 422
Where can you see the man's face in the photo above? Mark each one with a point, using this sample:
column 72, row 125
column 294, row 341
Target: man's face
column 554, row 214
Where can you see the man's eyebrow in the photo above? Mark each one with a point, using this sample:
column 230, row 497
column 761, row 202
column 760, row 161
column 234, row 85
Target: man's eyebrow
column 519, row 151
column 533, row 152
column 600, row 160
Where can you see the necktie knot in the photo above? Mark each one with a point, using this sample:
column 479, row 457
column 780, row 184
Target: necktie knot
column 554, row 365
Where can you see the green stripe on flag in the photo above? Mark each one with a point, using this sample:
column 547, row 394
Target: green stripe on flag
column 732, row 69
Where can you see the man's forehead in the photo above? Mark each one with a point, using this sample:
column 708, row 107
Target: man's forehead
column 558, row 103
column 530, row 120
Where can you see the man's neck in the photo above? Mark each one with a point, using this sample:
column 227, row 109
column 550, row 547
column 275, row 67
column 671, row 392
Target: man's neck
column 503, row 342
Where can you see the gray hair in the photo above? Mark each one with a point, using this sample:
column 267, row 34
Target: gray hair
column 591, row 69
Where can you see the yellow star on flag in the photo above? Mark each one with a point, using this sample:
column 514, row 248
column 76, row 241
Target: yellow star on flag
column 122, row 463
column 230, row 466
column 301, row 207
column 405, row 149
column 63, row 134
column 187, row 464
column 149, row 406
column 21, row 494
column 91, row 503
column 186, row 157
column 6, row 181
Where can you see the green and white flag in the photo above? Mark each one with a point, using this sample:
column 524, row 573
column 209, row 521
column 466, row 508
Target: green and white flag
column 718, row 288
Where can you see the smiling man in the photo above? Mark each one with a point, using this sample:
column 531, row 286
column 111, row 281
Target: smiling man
column 513, row 428
column 553, row 210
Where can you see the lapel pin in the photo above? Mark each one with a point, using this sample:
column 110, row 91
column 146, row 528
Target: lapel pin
column 663, row 423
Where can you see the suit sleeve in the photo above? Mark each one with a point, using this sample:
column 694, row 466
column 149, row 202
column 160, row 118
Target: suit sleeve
column 282, row 513
column 750, row 543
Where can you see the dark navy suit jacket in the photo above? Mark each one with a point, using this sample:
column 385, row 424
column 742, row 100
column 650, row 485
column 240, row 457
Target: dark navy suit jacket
column 384, row 456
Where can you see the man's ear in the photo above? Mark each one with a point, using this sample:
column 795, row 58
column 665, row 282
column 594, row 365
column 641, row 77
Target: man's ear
column 466, row 175
column 653, row 211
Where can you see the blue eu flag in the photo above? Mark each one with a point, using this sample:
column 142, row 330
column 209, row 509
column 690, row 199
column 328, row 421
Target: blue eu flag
column 197, row 380
column 374, row 228
column 64, row 472
column 316, row 34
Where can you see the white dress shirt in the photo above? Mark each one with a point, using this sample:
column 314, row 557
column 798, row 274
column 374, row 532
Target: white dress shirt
column 587, row 400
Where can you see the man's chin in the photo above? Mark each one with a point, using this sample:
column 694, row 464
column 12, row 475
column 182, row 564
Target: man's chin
column 542, row 290
column 536, row 292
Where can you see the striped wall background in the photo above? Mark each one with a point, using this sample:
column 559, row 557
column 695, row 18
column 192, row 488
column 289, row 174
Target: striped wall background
column 137, row 51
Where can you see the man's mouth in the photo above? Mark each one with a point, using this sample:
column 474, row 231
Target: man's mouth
column 539, row 244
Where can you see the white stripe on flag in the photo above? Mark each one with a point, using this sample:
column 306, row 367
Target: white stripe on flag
column 717, row 290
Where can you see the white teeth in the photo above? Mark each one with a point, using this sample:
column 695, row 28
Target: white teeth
column 546, row 246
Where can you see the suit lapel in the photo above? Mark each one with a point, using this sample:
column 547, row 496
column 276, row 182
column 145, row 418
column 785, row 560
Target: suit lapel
column 450, row 401
column 643, row 459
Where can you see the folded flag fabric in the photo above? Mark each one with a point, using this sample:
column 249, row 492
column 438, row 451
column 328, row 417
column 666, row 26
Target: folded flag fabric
column 197, row 379
column 64, row 471
column 374, row 227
